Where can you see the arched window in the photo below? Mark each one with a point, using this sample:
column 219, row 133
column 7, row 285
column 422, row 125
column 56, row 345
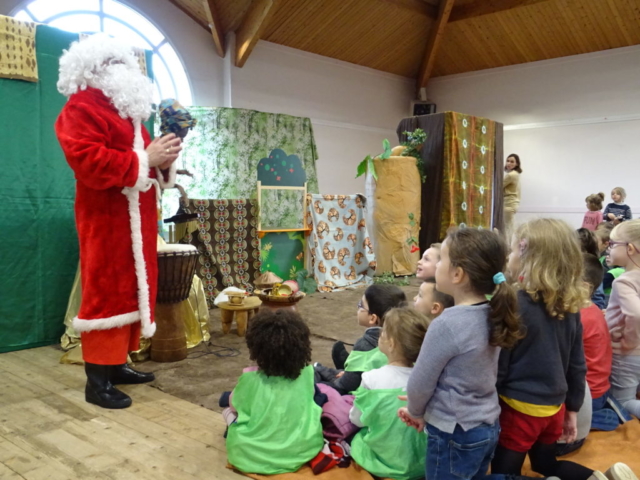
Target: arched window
column 122, row 22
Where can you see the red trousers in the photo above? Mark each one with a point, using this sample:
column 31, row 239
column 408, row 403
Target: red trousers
column 110, row 347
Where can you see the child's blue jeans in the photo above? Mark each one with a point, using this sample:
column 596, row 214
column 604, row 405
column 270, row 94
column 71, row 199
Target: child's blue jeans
column 461, row 455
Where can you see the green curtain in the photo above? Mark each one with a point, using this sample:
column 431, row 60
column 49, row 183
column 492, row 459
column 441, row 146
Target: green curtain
column 39, row 251
column 225, row 147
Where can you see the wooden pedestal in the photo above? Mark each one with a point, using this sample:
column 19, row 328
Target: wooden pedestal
column 169, row 343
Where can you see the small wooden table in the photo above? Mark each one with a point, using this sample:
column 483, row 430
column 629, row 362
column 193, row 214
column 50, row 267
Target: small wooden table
column 241, row 313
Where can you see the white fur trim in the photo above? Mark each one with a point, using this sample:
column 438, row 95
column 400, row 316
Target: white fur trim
column 143, row 183
column 172, row 176
column 82, row 325
column 149, row 330
column 135, row 221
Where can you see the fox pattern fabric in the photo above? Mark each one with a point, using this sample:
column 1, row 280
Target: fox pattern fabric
column 340, row 247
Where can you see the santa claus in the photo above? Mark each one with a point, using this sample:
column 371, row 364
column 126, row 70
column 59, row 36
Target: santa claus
column 119, row 172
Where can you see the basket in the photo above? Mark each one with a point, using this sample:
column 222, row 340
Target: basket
column 265, row 296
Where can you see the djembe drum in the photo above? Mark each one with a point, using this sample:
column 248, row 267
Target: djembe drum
column 176, row 267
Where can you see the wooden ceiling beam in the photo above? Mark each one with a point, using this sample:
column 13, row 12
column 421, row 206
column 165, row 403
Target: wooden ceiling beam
column 253, row 25
column 193, row 17
column 417, row 6
column 215, row 26
column 435, row 37
column 462, row 12
column 487, row 7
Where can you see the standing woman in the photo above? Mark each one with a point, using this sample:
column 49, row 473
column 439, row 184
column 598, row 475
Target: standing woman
column 512, row 171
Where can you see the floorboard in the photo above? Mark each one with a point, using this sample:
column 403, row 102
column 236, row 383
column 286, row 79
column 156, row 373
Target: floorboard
column 48, row 431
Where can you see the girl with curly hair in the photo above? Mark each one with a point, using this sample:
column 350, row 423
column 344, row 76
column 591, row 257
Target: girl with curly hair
column 278, row 427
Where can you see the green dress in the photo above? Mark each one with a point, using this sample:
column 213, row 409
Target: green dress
column 278, row 428
column 385, row 446
column 359, row 361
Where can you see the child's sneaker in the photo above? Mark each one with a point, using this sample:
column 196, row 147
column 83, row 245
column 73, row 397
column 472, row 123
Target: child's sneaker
column 620, row 471
column 596, row 475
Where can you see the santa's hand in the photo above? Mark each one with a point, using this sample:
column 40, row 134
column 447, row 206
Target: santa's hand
column 163, row 151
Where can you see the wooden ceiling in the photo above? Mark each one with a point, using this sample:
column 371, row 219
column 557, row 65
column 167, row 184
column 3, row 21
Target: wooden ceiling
column 424, row 38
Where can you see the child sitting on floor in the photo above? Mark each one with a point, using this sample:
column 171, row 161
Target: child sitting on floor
column 623, row 315
column 603, row 235
column 618, row 211
column 278, row 425
column 452, row 386
column 589, row 245
column 430, row 301
column 541, row 380
column 365, row 356
column 385, row 447
column 427, row 264
column 607, row 413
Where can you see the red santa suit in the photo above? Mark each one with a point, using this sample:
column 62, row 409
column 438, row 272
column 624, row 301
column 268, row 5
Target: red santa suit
column 116, row 218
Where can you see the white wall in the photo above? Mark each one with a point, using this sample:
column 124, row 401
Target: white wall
column 352, row 108
column 574, row 121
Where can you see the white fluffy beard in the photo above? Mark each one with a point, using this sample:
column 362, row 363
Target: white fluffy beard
column 129, row 90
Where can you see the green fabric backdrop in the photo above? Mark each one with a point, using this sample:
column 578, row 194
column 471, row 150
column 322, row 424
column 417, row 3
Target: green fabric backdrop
column 224, row 149
column 39, row 249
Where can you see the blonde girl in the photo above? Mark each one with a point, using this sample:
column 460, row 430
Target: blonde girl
column 452, row 387
column 618, row 211
column 623, row 315
column 541, row 380
column 384, row 446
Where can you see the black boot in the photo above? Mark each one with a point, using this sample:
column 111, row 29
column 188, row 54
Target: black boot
column 99, row 389
column 125, row 375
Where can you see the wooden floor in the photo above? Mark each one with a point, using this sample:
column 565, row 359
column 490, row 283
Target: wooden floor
column 48, row 431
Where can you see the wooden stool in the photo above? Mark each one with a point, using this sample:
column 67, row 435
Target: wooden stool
column 241, row 313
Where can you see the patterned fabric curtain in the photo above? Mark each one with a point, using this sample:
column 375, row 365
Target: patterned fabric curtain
column 228, row 244
column 443, row 196
column 468, row 171
column 224, row 149
column 341, row 253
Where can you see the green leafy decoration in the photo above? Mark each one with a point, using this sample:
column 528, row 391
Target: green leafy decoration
column 414, row 143
column 306, row 283
column 264, row 253
column 387, row 149
column 296, row 236
column 387, row 278
column 372, row 168
column 367, row 164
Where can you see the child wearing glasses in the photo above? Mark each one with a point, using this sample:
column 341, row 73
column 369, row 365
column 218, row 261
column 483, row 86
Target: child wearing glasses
column 623, row 315
column 365, row 355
